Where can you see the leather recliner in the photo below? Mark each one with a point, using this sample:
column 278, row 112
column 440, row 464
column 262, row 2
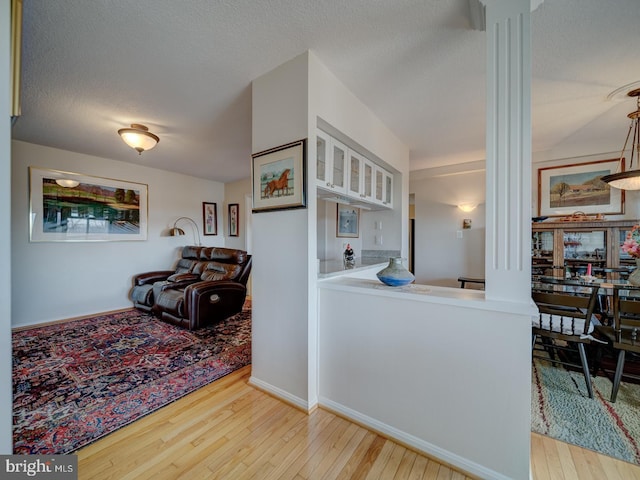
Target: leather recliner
column 142, row 293
column 218, row 293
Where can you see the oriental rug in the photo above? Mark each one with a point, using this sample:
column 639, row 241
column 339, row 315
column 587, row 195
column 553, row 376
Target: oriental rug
column 562, row 409
column 78, row 381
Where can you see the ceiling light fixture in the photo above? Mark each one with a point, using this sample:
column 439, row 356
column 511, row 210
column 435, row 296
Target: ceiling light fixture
column 139, row 137
column 67, row 182
column 175, row 231
column 629, row 180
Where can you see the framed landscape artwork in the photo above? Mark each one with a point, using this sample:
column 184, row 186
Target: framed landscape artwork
column 347, row 221
column 209, row 218
column 567, row 189
column 234, row 216
column 278, row 177
column 71, row 207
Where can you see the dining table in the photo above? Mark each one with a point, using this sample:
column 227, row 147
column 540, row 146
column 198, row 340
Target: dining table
column 584, row 284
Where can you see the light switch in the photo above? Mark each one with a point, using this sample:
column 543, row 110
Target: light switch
column 458, row 233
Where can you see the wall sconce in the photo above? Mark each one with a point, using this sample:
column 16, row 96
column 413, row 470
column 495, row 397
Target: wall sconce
column 67, row 182
column 139, row 137
column 467, row 207
column 175, row 231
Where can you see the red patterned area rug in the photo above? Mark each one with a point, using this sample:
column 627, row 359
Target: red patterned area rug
column 77, row 381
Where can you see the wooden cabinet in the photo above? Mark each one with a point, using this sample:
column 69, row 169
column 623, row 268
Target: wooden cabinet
column 566, row 249
column 345, row 171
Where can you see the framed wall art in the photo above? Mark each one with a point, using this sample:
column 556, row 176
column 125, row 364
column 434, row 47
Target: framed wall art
column 566, row 189
column 209, row 218
column 234, row 218
column 278, row 177
column 71, row 207
column 347, row 221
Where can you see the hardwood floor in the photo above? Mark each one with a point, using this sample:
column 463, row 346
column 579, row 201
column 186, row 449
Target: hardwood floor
column 229, row 430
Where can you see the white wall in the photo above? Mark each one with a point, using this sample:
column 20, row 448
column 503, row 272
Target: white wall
column 6, row 439
column 239, row 192
column 441, row 378
column 438, row 191
column 57, row 280
column 280, row 347
column 340, row 113
column 440, row 256
column 235, row 192
column 287, row 103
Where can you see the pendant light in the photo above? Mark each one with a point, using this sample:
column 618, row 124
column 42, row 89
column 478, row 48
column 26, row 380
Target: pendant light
column 630, row 179
column 139, row 137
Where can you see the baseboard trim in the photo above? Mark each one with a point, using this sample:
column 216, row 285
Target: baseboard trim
column 31, row 326
column 283, row 395
column 439, row 454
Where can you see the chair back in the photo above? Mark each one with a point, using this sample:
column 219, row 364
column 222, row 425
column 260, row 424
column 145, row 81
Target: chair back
column 626, row 315
column 566, row 313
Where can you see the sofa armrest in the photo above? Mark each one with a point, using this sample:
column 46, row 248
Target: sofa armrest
column 183, row 277
column 151, row 277
column 210, row 287
column 182, row 283
column 213, row 300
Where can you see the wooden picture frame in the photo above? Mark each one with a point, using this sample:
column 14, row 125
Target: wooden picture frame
column 347, row 221
column 234, row 219
column 566, row 189
column 209, row 218
column 278, row 177
column 72, row 207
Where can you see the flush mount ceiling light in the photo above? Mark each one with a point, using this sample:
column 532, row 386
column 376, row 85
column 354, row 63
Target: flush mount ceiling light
column 139, row 137
column 629, row 180
column 67, row 182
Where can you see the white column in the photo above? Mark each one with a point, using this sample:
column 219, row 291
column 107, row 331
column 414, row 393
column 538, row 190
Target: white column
column 508, row 130
column 6, row 440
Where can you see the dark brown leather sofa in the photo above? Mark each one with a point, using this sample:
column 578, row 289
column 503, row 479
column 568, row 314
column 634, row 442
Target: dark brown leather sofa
column 142, row 293
column 214, row 289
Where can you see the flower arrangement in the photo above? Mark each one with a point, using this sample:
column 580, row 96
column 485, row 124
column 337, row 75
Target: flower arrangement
column 631, row 243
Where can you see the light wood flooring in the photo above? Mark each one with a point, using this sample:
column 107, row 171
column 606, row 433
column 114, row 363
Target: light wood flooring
column 229, row 430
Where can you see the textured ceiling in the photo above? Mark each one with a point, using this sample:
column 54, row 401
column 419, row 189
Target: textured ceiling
column 185, row 69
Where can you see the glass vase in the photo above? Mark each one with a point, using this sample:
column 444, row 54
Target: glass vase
column 395, row 275
column 634, row 278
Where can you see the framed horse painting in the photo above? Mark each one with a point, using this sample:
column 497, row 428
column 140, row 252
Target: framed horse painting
column 278, row 177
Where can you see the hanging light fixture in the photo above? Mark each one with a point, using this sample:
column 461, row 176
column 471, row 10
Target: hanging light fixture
column 139, row 137
column 629, row 180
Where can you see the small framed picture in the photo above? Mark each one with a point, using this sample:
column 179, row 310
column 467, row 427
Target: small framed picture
column 234, row 217
column 278, row 177
column 209, row 218
column 347, row 221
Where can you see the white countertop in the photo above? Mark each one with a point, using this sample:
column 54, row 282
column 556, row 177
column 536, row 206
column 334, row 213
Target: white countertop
column 334, row 268
column 464, row 297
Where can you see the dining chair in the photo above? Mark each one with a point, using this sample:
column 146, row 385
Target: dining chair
column 623, row 335
column 564, row 323
column 479, row 282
